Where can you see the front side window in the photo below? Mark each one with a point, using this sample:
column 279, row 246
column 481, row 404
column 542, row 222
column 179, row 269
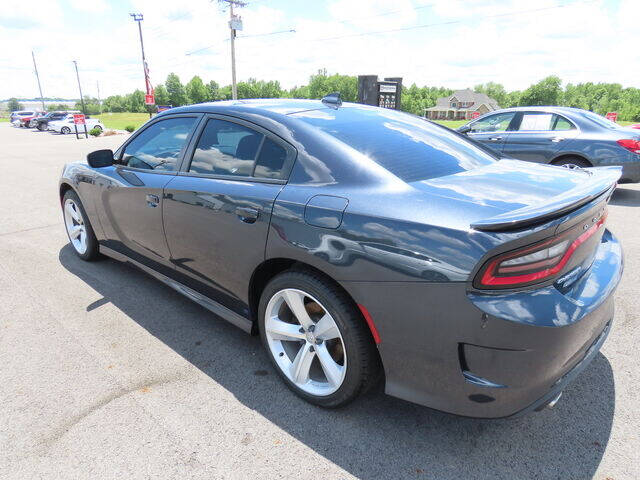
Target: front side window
column 158, row 146
column 494, row 123
column 227, row 148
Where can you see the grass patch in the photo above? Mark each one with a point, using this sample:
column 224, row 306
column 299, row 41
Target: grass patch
column 4, row 119
column 119, row 121
column 452, row 124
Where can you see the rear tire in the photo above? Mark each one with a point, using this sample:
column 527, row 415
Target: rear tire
column 332, row 340
column 79, row 229
column 42, row 127
column 65, row 130
column 580, row 162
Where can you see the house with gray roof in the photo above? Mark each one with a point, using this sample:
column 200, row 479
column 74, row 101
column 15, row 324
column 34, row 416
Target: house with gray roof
column 461, row 105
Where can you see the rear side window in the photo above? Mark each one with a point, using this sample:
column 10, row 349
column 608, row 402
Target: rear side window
column 562, row 123
column 410, row 147
column 227, row 148
column 158, row 146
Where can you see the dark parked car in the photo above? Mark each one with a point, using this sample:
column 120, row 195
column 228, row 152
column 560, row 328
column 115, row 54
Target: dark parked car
column 41, row 123
column 560, row 136
column 360, row 241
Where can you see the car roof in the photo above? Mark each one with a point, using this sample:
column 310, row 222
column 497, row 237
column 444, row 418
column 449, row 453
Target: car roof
column 283, row 106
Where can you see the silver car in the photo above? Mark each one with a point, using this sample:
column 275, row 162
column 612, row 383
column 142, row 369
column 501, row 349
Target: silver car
column 560, row 136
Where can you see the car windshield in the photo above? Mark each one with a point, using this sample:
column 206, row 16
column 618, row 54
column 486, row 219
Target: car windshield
column 408, row 146
column 600, row 120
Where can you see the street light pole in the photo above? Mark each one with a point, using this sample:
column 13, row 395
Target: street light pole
column 35, row 67
column 80, row 88
column 138, row 17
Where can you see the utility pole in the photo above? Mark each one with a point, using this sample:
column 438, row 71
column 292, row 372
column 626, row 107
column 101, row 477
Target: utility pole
column 99, row 102
column 80, row 88
column 35, row 67
column 234, row 24
column 138, row 17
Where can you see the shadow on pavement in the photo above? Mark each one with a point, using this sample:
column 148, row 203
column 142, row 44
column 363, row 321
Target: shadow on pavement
column 626, row 197
column 377, row 436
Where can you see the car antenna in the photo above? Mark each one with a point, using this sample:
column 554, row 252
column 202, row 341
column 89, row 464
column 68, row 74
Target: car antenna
column 332, row 100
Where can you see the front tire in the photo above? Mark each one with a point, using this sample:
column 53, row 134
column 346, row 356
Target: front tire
column 316, row 339
column 79, row 230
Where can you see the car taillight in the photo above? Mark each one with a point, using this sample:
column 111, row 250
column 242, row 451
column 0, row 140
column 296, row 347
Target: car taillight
column 631, row 145
column 535, row 263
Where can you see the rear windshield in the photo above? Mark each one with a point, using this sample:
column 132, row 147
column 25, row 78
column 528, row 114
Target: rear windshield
column 411, row 148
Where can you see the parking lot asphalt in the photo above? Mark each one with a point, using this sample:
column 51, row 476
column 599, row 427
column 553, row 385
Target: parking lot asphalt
column 106, row 373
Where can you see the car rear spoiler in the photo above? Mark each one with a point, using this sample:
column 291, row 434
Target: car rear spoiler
column 601, row 181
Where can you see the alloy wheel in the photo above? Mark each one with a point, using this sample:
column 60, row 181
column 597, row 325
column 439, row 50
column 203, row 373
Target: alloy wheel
column 76, row 228
column 305, row 342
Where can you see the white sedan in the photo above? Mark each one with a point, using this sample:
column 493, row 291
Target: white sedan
column 66, row 125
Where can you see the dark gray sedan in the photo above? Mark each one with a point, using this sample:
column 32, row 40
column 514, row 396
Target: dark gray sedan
column 560, row 136
column 361, row 243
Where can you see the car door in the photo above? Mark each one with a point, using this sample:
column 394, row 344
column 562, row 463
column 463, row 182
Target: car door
column 492, row 130
column 539, row 136
column 217, row 210
column 131, row 191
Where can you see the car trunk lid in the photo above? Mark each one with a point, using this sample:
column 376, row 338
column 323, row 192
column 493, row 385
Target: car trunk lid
column 521, row 194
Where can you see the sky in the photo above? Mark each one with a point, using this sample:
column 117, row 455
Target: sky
column 452, row 43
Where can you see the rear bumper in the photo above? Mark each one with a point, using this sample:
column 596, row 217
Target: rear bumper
column 568, row 377
column 490, row 356
column 631, row 171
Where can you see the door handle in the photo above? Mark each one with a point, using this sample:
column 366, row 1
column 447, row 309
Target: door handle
column 495, row 139
column 557, row 139
column 247, row 214
column 152, row 200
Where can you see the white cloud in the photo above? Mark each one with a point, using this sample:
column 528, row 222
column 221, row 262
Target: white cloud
column 461, row 43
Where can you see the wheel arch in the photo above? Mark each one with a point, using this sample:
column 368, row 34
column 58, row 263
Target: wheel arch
column 272, row 267
column 564, row 156
column 64, row 188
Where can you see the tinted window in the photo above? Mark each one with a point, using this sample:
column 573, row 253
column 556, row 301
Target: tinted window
column 158, row 147
column 409, row 147
column 271, row 160
column 493, row 123
column 226, row 148
column 562, row 123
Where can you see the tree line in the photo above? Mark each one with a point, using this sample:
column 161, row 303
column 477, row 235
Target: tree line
column 597, row 97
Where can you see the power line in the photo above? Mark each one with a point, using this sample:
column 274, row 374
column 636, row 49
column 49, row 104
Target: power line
column 384, row 14
column 450, row 22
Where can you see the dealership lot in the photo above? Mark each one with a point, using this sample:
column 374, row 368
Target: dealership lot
column 107, row 373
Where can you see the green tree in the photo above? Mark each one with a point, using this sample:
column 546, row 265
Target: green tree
column 213, row 91
column 253, row 88
column 493, row 90
column 196, row 91
column 14, row 105
column 134, row 102
column 161, row 94
column 547, row 91
column 322, row 84
column 114, row 103
column 175, row 89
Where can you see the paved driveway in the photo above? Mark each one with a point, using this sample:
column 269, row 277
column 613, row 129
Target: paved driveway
column 106, row 373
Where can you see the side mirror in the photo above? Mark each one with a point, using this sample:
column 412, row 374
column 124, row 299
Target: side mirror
column 464, row 129
column 100, row 158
